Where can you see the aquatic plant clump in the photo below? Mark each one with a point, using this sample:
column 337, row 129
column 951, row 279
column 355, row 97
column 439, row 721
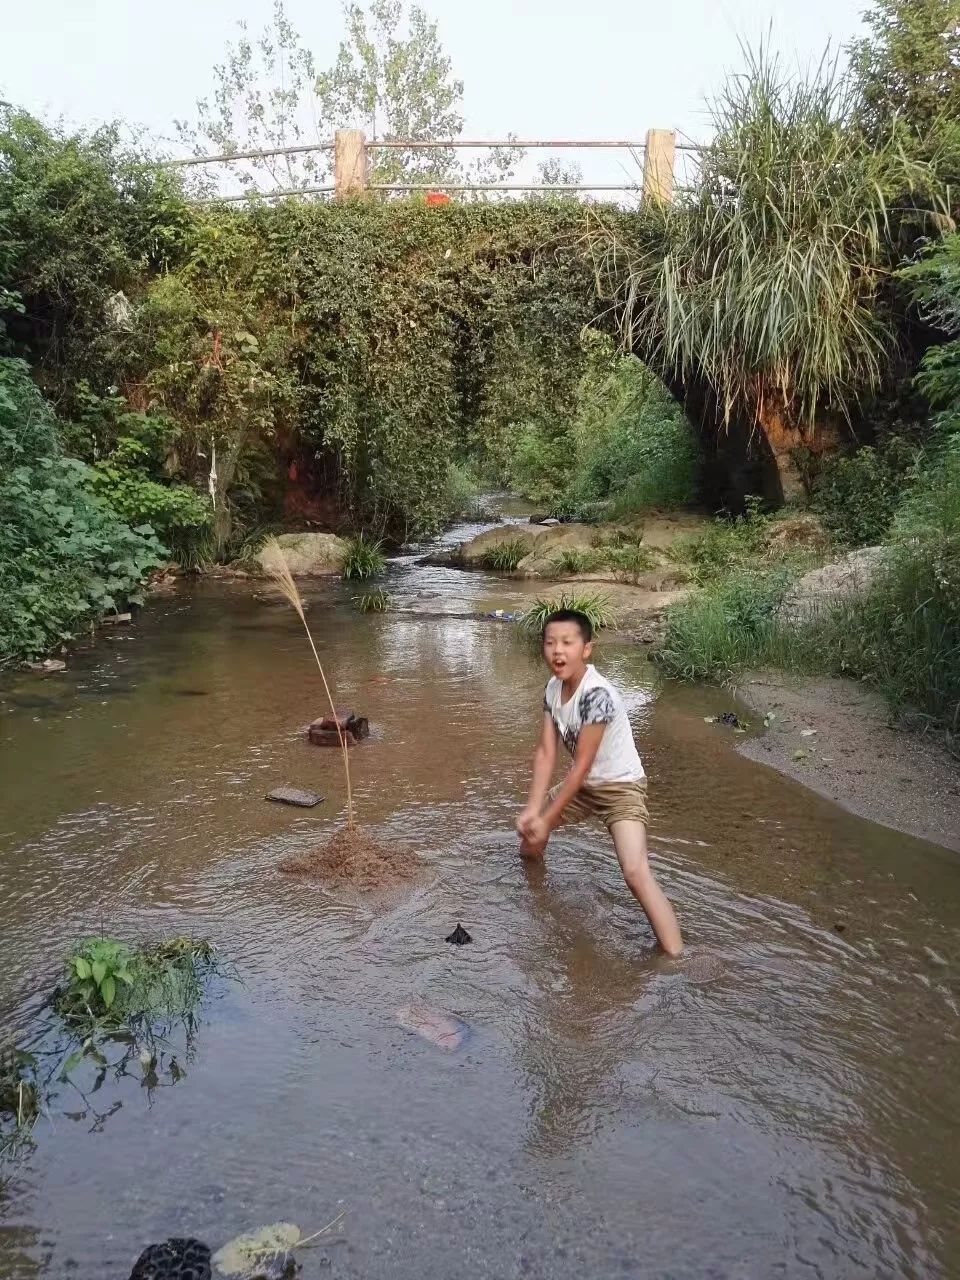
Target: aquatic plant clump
column 363, row 560
column 109, row 983
column 20, row 1100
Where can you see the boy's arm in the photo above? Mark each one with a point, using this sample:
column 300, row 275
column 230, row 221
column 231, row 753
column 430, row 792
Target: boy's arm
column 588, row 744
column 544, row 763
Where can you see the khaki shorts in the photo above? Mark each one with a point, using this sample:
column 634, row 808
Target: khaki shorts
column 609, row 801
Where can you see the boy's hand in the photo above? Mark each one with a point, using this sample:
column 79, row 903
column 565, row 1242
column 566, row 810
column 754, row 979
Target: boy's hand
column 537, row 831
column 527, row 815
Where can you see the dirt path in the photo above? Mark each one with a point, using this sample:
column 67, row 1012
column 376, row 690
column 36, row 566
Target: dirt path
column 853, row 755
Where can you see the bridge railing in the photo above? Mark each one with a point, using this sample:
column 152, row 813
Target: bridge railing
column 351, row 152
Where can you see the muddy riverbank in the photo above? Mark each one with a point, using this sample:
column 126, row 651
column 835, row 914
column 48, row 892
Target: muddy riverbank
column 836, row 737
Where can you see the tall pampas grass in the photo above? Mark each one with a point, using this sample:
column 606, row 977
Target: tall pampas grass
column 275, row 562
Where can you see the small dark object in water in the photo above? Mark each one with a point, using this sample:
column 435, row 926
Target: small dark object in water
column 324, row 732
column 731, row 720
column 193, row 693
column 294, row 796
column 175, row 1259
column 840, row 928
column 459, row 937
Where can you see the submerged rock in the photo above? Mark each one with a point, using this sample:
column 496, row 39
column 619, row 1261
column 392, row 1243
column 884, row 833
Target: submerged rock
column 444, row 1030
column 296, row 797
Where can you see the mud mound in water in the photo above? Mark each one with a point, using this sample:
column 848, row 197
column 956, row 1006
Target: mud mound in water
column 351, row 856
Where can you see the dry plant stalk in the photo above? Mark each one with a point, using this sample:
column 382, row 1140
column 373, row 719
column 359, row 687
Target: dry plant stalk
column 276, row 565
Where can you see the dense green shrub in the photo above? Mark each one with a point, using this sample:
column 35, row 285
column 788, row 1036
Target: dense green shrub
column 84, row 218
column 66, row 558
column 634, row 447
column 727, row 627
column 857, row 495
column 132, row 479
column 904, row 635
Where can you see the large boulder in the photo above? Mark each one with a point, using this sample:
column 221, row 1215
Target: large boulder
column 307, row 554
column 539, row 543
column 550, row 541
column 820, row 589
column 473, row 553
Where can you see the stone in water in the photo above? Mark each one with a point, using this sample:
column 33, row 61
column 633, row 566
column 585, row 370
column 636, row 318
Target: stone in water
column 326, row 733
column 444, row 1030
column 293, row 795
column 459, row 937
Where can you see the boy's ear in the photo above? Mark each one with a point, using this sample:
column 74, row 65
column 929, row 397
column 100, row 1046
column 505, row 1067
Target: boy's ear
column 588, row 649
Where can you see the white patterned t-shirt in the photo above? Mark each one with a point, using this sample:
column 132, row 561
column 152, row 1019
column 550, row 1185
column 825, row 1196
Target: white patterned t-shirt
column 596, row 701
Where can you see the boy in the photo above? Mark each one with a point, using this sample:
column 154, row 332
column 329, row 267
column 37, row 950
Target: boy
column 606, row 779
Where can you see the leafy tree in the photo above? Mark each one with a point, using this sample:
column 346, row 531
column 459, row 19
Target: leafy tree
column 908, row 69
column 82, row 217
column 263, row 99
column 909, row 65
column 391, row 78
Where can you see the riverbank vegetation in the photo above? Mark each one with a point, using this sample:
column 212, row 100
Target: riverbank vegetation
column 786, row 329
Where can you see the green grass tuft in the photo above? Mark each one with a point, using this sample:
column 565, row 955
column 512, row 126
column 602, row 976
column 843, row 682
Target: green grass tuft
column 364, row 559
column 376, row 601
column 596, row 607
column 505, row 557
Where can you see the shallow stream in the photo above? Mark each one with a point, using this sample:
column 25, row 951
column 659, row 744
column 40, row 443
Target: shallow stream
column 783, row 1101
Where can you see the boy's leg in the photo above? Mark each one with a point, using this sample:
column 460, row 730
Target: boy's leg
column 630, row 842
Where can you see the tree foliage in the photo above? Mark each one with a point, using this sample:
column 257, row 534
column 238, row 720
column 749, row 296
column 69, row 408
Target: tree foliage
column 391, row 78
column 82, row 218
column 384, row 341
column 764, row 284
column 908, row 71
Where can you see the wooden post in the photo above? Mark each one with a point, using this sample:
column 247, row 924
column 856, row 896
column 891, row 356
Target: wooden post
column 349, row 163
column 658, row 165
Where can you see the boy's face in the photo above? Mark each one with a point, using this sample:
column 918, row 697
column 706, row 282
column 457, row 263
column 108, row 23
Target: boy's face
column 565, row 649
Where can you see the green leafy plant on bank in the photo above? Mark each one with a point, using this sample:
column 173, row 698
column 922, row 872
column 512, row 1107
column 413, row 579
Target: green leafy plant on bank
column 727, row 544
column 629, row 559
column 726, row 628
column 364, row 559
column 66, row 558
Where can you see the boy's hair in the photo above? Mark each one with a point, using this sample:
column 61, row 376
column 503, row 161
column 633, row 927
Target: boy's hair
column 571, row 615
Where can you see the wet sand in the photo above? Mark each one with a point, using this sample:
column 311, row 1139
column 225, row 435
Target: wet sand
column 855, row 755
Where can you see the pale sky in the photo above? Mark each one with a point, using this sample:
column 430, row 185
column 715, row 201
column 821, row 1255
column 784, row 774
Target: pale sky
column 607, row 68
